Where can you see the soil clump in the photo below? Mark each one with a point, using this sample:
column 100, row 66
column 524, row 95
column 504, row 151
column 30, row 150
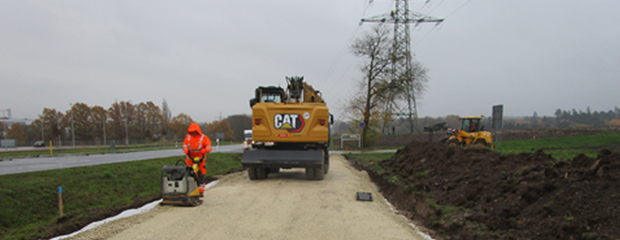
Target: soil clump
column 476, row 193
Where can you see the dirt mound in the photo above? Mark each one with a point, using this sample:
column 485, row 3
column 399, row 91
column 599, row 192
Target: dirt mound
column 476, row 193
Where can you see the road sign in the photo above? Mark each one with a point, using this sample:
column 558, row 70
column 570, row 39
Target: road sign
column 498, row 112
column 361, row 125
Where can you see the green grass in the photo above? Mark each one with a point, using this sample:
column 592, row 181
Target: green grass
column 562, row 147
column 29, row 201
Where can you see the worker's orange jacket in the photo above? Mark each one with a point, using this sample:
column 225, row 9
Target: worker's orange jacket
column 197, row 145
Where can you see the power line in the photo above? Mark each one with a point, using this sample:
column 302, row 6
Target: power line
column 330, row 70
column 459, row 8
column 435, row 7
column 342, row 76
column 427, row 33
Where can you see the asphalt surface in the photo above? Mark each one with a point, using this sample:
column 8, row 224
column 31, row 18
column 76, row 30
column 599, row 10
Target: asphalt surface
column 23, row 165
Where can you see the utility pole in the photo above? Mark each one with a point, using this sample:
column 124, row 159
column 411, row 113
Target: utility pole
column 401, row 17
column 105, row 120
column 126, row 131
column 72, row 131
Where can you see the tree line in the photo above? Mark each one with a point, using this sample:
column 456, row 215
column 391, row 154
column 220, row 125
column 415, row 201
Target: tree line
column 562, row 119
column 123, row 123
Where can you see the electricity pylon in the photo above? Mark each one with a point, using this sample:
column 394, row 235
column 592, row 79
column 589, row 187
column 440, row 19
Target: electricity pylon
column 402, row 66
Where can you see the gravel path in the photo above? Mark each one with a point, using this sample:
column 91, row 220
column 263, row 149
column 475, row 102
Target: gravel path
column 284, row 206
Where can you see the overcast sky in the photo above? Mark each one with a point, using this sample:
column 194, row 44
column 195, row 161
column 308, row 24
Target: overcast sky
column 207, row 57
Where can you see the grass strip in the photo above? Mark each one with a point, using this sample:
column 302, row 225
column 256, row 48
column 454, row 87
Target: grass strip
column 562, row 147
column 29, row 201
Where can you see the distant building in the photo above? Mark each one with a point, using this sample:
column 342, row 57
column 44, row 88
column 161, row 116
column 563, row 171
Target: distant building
column 22, row 121
column 5, row 117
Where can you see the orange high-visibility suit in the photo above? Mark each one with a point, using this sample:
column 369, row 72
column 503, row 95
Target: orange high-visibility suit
column 196, row 144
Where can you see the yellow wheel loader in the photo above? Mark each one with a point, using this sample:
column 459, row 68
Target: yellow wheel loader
column 471, row 133
column 291, row 129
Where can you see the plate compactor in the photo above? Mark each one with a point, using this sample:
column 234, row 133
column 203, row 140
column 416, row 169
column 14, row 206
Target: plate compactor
column 179, row 186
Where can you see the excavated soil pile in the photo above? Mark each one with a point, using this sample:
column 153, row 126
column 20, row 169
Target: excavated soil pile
column 476, row 193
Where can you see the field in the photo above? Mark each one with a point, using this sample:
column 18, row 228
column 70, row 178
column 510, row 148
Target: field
column 563, row 147
column 518, row 192
column 30, row 200
column 506, row 135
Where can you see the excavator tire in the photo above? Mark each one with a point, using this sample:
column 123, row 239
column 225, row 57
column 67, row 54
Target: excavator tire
column 261, row 173
column 453, row 143
column 326, row 162
column 481, row 143
column 319, row 173
column 315, row 173
column 252, row 173
column 309, row 173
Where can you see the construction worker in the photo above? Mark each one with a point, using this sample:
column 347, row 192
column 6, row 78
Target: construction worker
column 196, row 145
column 473, row 127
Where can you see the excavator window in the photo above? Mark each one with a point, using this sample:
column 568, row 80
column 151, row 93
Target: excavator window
column 270, row 94
column 271, row 98
column 470, row 125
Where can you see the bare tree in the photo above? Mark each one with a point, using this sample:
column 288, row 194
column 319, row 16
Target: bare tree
column 166, row 117
column 408, row 89
column 52, row 120
column 3, row 129
column 374, row 49
column 83, row 122
column 179, row 124
column 238, row 123
column 100, row 122
column 16, row 131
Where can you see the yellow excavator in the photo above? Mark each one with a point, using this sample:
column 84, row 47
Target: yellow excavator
column 290, row 129
column 471, row 133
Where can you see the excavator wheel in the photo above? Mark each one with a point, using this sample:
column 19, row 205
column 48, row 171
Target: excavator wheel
column 261, row 173
column 252, row 173
column 309, row 173
column 481, row 143
column 453, row 143
column 315, row 173
column 326, row 162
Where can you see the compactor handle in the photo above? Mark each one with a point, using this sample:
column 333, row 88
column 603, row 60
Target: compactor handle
column 197, row 159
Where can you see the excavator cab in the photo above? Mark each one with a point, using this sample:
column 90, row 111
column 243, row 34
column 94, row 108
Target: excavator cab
column 268, row 94
column 471, row 124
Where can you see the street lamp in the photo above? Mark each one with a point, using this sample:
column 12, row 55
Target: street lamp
column 72, row 132
column 42, row 130
column 126, row 131
column 105, row 120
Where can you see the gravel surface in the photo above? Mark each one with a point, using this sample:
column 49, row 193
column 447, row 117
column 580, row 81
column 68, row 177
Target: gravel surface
column 284, row 206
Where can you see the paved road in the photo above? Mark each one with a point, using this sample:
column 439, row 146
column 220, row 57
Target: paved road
column 23, row 165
